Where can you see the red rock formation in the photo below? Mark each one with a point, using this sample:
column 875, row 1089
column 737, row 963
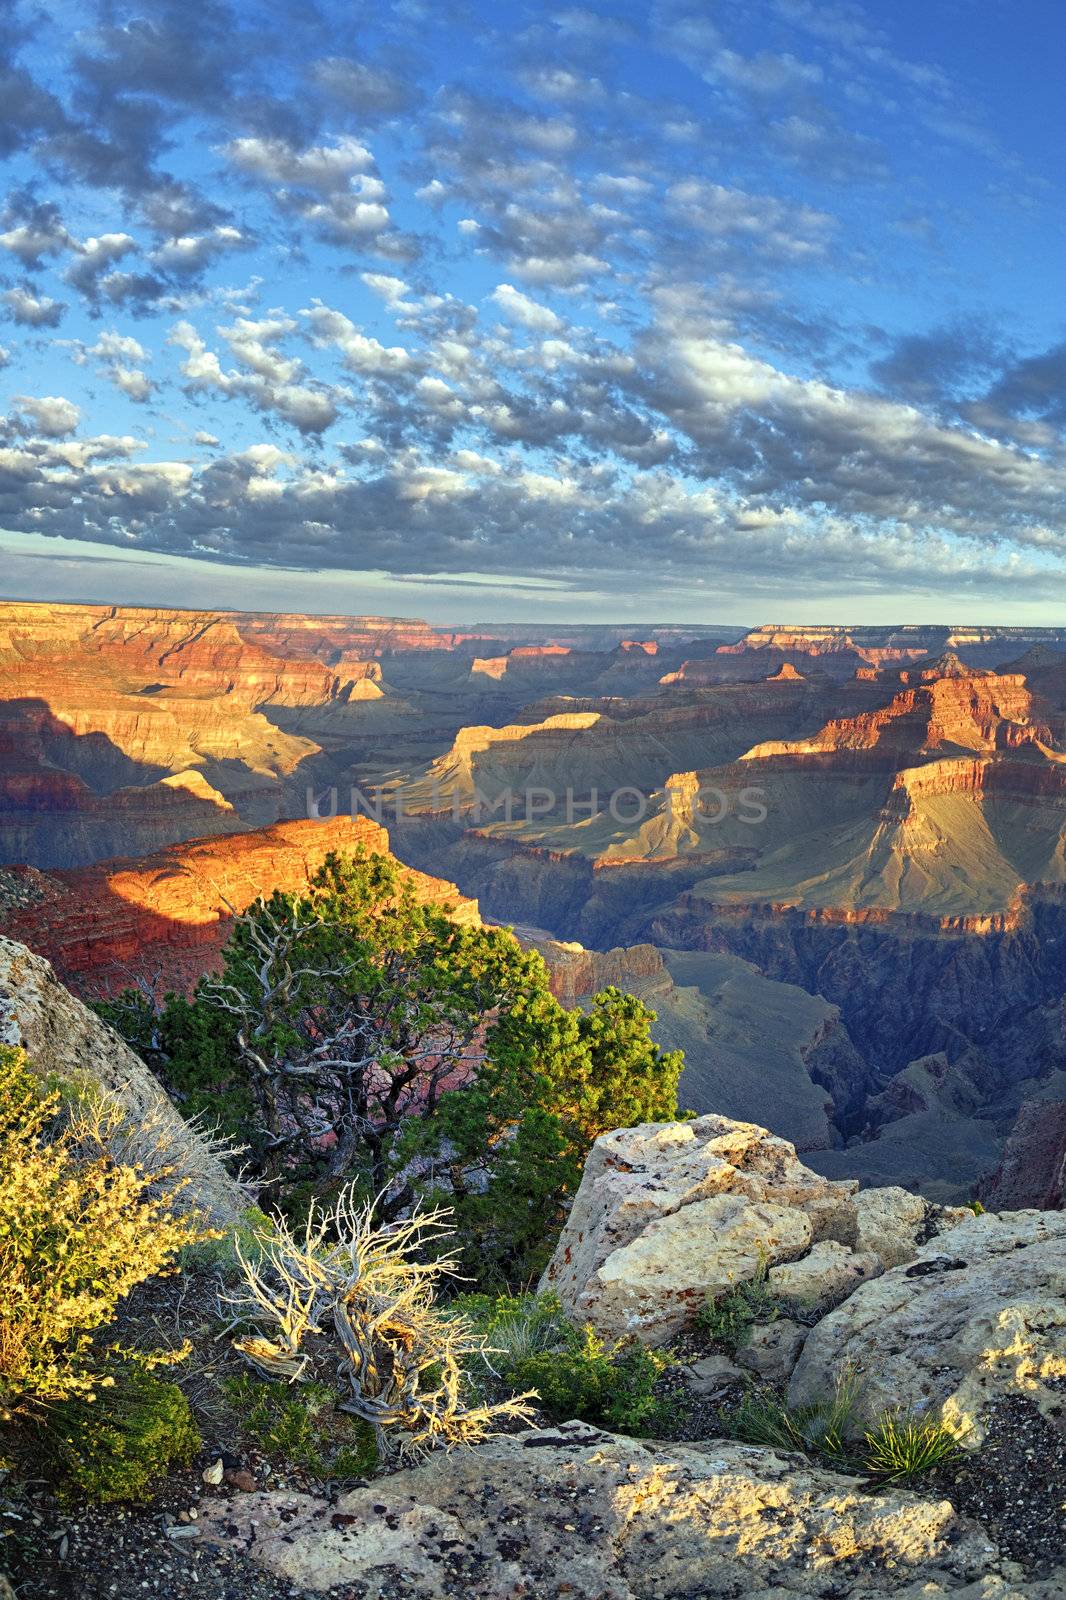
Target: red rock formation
column 165, row 917
column 576, row 973
column 961, row 707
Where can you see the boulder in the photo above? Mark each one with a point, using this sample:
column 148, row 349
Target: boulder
column 669, row 1213
column 825, row 1276
column 654, row 1287
column 772, row 1349
column 63, row 1039
column 977, row 1314
column 573, row 1511
column 889, row 1222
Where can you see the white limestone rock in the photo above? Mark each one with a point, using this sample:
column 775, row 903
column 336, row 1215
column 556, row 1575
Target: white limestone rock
column 576, row 1512
column 979, row 1313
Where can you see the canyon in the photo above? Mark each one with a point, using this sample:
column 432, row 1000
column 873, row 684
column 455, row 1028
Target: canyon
column 832, row 859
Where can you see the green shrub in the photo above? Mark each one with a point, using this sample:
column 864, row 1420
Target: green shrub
column 898, row 1449
column 728, row 1320
column 515, row 1327
column 612, row 1386
column 531, row 1345
column 114, row 1446
column 299, row 1424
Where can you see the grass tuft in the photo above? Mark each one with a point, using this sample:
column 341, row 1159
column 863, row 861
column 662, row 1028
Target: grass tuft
column 898, row 1449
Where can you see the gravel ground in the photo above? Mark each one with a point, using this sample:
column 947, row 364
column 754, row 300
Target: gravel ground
column 131, row 1553
column 1016, row 1484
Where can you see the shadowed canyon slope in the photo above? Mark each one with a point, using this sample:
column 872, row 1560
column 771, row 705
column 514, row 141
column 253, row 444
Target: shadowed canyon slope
column 841, row 852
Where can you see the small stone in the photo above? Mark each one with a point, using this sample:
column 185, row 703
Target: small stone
column 213, row 1473
column 712, row 1374
column 239, row 1478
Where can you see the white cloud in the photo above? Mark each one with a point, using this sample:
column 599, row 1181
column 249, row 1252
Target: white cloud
column 29, row 242
column 325, row 168
column 272, row 383
column 192, row 252
column 392, row 290
column 530, row 313
column 32, row 311
column 360, row 353
column 51, row 415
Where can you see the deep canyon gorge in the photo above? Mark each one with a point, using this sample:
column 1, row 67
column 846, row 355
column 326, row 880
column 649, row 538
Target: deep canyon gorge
column 833, row 860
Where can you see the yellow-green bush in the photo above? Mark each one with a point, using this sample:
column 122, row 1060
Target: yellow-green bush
column 78, row 1231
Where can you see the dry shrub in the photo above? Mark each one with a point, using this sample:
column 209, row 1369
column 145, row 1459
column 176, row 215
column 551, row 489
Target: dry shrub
column 403, row 1359
column 78, row 1231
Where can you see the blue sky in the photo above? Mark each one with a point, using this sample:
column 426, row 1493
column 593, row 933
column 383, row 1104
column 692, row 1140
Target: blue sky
column 673, row 310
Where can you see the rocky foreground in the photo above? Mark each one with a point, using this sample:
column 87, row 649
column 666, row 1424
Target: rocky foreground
column 572, row 1511
column 934, row 1313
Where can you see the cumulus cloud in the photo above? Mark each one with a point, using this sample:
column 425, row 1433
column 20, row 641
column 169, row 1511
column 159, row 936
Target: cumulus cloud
column 525, row 312
column 31, row 310
column 360, row 353
column 119, row 358
column 50, row 415
column 764, row 223
column 95, row 257
column 369, row 90
column 270, row 381
column 190, row 253
column 33, row 229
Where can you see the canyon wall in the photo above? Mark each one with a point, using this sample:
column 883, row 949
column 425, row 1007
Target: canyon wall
column 897, row 901
column 164, row 918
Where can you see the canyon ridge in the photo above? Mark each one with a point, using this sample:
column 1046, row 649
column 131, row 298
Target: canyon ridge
column 833, row 860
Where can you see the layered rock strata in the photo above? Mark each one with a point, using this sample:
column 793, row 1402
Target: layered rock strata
column 164, row 918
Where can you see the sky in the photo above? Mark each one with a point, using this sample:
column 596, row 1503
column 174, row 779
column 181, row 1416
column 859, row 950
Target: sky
column 688, row 311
